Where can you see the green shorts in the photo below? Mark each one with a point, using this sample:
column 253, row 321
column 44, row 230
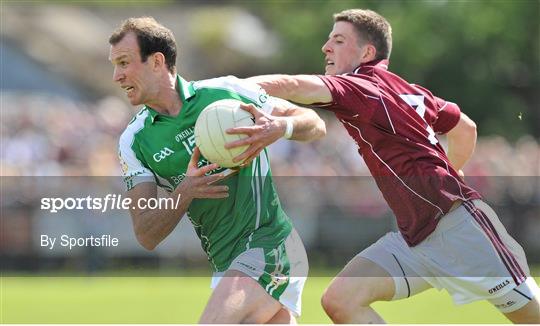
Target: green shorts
column 281, row 271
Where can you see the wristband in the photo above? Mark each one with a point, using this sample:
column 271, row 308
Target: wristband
column 289, row 129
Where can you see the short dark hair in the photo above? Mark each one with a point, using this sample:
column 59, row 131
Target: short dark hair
column 151, row 36
column 372, row 26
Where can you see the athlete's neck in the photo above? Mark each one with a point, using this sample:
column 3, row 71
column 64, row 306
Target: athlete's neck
column 167, row 101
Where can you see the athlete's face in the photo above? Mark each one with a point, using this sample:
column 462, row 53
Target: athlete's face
column 136, row 78
column 342, row 51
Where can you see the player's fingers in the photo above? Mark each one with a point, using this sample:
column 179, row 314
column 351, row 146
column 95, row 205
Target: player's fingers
column 216, row 195
column 207, row 168
column 193, row 171
column 209, row 190
column 253, row 150
column 241, row 142
column 251, row 109
column 252, row 157
column 244, row 130
column 244, row 155
column 213, row 178
column 248, row 161
column 217, row 189
column 194, row 158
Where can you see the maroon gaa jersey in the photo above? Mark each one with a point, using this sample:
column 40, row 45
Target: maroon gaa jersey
column 394, row 124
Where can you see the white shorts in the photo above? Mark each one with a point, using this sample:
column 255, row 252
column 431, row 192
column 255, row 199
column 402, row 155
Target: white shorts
column 281, row 271
column 469, row 254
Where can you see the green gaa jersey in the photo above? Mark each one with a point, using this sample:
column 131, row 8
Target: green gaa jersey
column 157, row 148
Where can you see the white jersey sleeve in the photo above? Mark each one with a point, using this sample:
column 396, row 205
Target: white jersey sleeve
column 133, row 170
column 272, row 102
column 260, row 97
column 249, row 90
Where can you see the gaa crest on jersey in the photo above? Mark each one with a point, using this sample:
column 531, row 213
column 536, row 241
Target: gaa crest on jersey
column 162, row 154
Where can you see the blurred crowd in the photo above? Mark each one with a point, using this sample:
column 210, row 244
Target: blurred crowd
column 324, row 185
column 44, row 135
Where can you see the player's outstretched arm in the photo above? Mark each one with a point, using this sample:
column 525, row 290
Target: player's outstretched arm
column 305, row 124
column 302, row 89
column 287, row 120
column 152, row 226
column 461, row 142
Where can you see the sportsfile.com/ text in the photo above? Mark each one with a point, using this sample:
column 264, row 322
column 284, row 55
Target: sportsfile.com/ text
column 106, row 203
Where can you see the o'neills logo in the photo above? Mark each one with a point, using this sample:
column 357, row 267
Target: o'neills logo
column 162, row 154
column 505, row 305
column 499, row 286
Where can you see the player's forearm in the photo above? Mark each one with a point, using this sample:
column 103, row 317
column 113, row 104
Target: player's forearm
column 307, row 126
column 275, row 85
column 303, row 89
column 152, row 226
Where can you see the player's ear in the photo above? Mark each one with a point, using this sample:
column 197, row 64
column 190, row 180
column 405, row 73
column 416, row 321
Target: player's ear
column 369, row 53
column 159, row 60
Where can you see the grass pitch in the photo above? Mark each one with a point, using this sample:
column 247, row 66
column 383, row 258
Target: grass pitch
column 181, row 300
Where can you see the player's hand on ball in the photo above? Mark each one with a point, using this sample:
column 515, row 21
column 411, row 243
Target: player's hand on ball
column 267, row 130
column 199, row 185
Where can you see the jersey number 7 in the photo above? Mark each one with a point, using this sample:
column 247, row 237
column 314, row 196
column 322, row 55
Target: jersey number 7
column 417, row 103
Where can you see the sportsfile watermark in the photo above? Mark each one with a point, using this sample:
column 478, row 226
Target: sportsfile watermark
column 106, row 203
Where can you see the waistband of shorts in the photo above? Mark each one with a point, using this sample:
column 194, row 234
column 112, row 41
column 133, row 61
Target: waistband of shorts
column 455, row 216
column 455, row 205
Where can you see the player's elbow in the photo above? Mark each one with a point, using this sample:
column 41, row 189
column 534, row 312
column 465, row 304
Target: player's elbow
column 465, row 130
column 145, row 240
column 473, row 128
column 468, row 124
column 469, row 129
column 148, row 245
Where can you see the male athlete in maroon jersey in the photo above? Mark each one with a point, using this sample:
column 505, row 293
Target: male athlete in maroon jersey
column 448, row 237
column 394, row 124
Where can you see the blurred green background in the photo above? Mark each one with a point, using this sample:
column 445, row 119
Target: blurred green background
column 483, row 55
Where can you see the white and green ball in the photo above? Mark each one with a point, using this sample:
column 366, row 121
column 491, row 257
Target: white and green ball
column 210, row 135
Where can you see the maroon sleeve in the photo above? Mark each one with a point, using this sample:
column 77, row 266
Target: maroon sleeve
column 347, row 92
column 448, row 115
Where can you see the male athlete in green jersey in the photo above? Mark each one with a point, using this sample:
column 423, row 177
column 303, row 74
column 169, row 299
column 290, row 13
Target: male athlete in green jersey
column 259, row 261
